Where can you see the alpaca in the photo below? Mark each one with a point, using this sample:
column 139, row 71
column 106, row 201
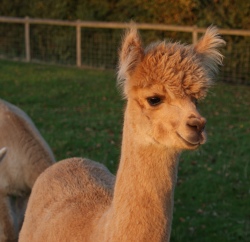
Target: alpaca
column 26, row 155
column 80, row 200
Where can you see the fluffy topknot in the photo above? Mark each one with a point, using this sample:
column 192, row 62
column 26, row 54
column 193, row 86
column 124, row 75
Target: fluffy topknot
column 183, row 69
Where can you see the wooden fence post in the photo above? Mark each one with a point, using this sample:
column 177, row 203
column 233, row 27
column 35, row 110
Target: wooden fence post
column 27, row 38
column 78, row 44
column 194, row 35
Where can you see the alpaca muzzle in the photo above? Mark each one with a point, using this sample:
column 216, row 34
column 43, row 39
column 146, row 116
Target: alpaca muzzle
column 197, row 124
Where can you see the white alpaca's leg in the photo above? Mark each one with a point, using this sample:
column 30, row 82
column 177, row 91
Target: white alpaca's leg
column 7, row 232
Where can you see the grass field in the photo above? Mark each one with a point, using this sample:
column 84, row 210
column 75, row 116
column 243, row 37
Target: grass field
column 80, row 113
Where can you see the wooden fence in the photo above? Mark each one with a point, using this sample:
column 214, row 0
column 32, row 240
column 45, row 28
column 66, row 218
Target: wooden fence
column 80, row 25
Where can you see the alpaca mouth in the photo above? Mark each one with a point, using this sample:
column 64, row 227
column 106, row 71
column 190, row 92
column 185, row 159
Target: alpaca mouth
column 191, row 142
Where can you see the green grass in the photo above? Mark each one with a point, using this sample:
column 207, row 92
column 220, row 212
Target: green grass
column 80, row 113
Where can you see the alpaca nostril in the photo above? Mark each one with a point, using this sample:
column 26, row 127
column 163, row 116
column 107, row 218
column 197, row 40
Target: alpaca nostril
column 197, row 124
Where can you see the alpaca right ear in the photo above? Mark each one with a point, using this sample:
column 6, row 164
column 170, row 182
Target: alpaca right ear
column 131, row 54
column 208, row 47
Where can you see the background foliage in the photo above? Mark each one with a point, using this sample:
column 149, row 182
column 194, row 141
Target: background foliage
column 223, row 13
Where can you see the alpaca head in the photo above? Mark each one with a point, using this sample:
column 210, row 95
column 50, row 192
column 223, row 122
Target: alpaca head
column 162, row 84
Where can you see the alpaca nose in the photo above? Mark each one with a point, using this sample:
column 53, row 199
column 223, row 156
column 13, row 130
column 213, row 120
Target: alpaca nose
column 196, row 123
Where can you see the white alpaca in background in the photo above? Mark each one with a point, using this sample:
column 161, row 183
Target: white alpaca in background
column 24, row 156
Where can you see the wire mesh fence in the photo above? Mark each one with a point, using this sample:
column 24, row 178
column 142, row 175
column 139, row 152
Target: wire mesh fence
column 12, row 41
column 236, row 68
column 53, row 44
column 100, row 47
column 96, row 46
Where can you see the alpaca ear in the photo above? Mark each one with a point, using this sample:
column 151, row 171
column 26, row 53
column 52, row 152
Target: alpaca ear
column 207, row 47
column 131, row 54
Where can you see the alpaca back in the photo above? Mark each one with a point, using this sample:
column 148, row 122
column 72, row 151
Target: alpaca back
column 75, row 192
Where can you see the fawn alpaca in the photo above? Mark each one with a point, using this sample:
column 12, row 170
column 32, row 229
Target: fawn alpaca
column 79, row 200
column 26, row 155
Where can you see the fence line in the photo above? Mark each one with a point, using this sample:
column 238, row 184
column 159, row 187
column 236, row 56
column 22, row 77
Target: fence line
column 80, row 25
column 117, row 25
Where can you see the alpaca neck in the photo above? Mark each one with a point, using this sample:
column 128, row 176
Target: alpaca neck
column 143, row 195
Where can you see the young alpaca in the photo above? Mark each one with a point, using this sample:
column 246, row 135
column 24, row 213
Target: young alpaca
column 27, row 156
column 79, row 200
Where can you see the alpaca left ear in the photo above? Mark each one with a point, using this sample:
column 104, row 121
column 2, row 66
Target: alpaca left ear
column 207, row 47
column 131, row 55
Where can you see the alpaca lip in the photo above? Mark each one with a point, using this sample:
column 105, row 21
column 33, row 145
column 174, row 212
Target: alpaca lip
column 189, row 142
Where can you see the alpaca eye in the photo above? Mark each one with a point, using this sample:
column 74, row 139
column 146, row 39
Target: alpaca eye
column 195, row 100
column 154, row 101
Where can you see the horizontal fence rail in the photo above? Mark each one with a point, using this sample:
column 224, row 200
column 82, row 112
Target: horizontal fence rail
column 95, row 44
